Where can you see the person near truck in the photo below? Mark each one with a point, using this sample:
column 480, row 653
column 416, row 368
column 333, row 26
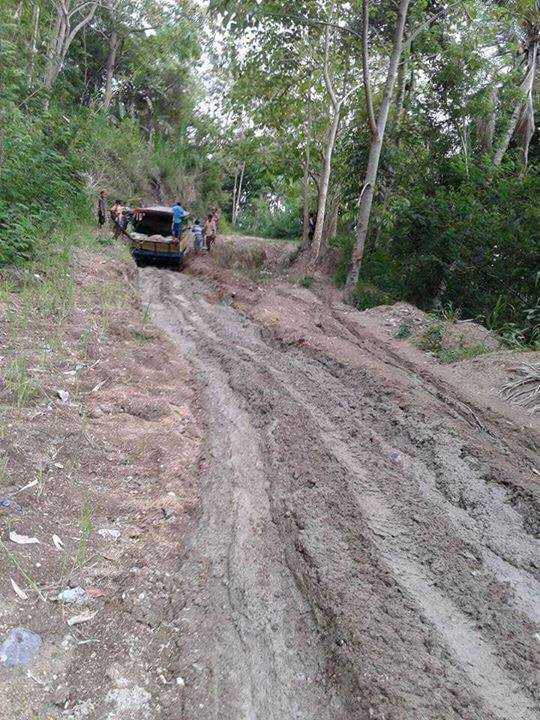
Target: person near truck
column 197, row 234
column 178, row 216
column 117, row 218
column 102, row 209
column 210, row 230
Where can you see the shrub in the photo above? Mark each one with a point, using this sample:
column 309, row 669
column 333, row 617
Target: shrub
column 41, row 186
column 262, row 221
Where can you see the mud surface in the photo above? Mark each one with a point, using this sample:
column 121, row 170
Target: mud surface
column 366, row 540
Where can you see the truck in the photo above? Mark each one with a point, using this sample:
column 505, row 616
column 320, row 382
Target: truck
column 150, row 239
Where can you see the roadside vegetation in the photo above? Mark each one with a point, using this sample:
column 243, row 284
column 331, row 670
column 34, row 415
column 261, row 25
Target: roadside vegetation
column 395, row 140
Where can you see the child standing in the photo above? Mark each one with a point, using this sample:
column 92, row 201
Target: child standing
column 197, row 234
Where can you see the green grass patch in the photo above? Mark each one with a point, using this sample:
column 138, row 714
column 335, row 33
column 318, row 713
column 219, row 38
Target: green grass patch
column 22, row 388
column 460, row 353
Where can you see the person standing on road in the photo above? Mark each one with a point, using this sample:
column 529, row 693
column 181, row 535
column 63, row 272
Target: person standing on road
column 197, row 234
column 117, row 218
column 102, row 209
column 178, row 216
column 210, row 230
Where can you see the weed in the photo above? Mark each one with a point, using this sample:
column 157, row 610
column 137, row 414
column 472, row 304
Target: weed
column 20, row 385
column 403, row 332
column 85, row 341
column 513, row 337
column 306, row 281
column 40, row 477
column 145, row 314
column 460, row 353
column 449, row 313
column 431, row 340
column 14, row 560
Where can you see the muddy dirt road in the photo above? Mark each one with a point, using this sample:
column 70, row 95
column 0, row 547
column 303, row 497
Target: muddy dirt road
column 366, row 541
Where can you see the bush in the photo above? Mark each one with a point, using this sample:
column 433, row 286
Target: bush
column 474, row 246
column 469, row 244
column 262, row 221
column 41, row 185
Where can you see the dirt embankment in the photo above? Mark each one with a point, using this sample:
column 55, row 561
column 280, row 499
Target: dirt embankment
column 99, row 443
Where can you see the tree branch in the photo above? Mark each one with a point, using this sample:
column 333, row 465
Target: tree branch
column 327, row 79
column 365, row 65
column 81, row 24
column 415, row 33
column 324, row 23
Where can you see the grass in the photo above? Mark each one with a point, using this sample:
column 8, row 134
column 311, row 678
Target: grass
column 449, row 313
column 306, row 281
column 460, row 353
column 21, row 386
column 403, row 332
column 14, row 560
column 432, row 339
column 4, row 477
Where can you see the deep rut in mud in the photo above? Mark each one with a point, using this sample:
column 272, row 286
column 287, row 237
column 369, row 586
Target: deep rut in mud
column 359, row 553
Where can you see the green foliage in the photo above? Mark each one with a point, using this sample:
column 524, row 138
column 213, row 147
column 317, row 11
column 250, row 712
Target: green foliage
column 431, row 339
column 264, row 221
column 472, row 244
column 460, row 353
column 403, row 332
column 41, row 186
column 306, row 281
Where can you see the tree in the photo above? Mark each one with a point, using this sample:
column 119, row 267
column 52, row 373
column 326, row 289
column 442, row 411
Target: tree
column 522, row 117
column 337, row 100
column 70, row 17
column 377, row 130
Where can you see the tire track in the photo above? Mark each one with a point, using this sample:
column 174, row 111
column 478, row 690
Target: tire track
column 252, row 389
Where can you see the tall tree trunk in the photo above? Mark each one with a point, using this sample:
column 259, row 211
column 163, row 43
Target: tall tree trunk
column 332, row 215
column 305, row 205
column 233, row 207
column 485, row 125
column 57, row 35
column 32, row 48
column 366, row 196
column 324, row 183
column 240, row 188
column 114, row 42
column 522, row 109
column 305, row 195
column 401, row 90
column 238, row 192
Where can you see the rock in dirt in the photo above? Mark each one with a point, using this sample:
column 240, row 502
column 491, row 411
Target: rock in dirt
column 129, row 702
column 9, row 506
column 73, row 595
column 82, row 618
column 22, row 539
column 63, row 395
column 110, row 533
column 20, row 647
